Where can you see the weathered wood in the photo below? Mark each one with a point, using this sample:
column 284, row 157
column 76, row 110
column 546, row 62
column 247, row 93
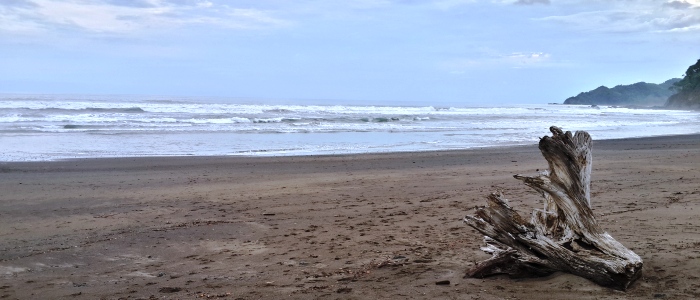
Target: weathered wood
column 564, row 236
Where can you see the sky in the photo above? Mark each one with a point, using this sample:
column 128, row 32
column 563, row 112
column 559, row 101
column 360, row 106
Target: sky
column 454, row 52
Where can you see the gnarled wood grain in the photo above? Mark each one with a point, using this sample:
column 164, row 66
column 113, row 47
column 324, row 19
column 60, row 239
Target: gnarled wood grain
column 564, row 235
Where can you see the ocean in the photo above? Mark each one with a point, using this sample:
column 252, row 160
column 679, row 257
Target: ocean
column 55, row 127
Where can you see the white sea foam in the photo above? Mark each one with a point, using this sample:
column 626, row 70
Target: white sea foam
column 44, row 127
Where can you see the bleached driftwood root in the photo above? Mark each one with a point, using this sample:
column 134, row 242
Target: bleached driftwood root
column 564, row 236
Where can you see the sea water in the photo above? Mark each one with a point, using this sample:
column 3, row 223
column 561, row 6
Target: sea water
column 51, row 127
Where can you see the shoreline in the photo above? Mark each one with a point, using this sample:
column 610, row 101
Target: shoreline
column 368, row 226
column 680, row 137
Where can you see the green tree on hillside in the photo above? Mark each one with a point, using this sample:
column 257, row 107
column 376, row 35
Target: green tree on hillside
column 687, row 89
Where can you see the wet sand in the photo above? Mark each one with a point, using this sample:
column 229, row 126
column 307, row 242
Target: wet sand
column 379, row 226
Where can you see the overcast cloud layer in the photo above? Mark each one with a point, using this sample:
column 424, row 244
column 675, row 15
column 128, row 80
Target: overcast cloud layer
column 448, row 51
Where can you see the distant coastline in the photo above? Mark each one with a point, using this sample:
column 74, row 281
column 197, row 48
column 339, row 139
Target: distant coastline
column 637, row 95
column 677, row 93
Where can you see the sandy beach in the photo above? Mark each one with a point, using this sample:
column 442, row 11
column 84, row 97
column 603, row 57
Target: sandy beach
column 373, row 226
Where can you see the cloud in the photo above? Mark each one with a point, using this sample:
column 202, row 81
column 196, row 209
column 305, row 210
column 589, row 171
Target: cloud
column 515, row 60
column 17, row 3
column 127, row 16
column 521, row 2
column 640, row 16
column 678, row 4
column 530, row 2
column 130, row 3
column 448, row 4
column 519, row 59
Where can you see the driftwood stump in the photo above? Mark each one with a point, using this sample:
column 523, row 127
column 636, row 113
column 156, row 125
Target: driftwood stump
column 564, row 236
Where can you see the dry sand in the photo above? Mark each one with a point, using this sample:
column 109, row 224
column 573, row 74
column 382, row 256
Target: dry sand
column 382, row 226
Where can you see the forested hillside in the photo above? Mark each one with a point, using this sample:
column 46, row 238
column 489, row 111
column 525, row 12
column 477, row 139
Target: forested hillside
column 687, row 90
column 638, row 94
